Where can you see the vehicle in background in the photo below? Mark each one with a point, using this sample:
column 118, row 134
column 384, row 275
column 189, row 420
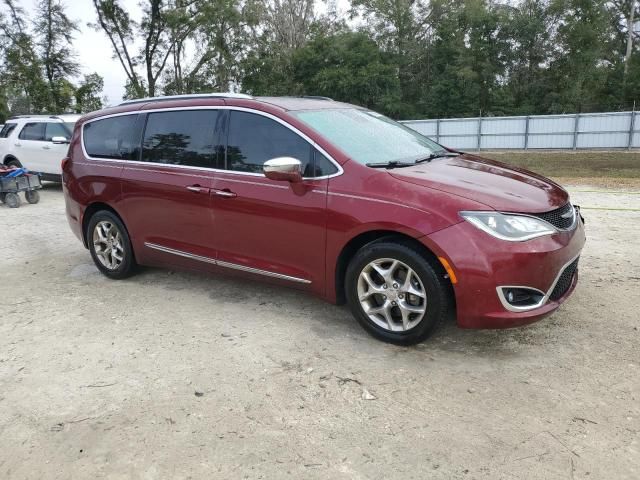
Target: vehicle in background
column 37, row 142
column 327, row 197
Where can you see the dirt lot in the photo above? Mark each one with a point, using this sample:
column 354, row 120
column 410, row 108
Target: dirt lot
column 176, row 375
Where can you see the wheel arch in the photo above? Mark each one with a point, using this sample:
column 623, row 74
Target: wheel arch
column 90, row 211
column 9, row 157
column 372, row 236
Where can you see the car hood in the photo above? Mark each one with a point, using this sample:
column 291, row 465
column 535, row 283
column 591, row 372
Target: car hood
column 495, row 184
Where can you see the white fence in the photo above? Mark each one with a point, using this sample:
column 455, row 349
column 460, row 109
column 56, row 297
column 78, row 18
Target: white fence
column 576, row 131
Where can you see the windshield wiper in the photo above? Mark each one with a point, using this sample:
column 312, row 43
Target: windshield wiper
column 442, row 153
column 392, row 164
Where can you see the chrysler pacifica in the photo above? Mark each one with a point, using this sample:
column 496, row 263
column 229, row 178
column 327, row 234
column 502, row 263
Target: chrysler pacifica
column 325, row 197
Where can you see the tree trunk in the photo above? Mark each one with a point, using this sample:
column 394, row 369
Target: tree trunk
column 627, row 57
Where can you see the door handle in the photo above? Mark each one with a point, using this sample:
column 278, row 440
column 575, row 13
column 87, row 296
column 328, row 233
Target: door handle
column 17, row 144
column 197, row 189
column 46, row 147
column 226, row 193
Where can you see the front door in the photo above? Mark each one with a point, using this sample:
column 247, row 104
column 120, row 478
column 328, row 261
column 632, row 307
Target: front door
column 29, row 146
column 166, row 194
column 53, row 153
column 266, row 227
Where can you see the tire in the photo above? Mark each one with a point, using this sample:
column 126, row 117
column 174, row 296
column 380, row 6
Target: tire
column 13, row 163
column 32, row 196
column 12, row 200
column 106, row 235
column 395, row 312
column 2, row 195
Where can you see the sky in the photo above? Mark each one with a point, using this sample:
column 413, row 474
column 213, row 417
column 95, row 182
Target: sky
column 93, row 48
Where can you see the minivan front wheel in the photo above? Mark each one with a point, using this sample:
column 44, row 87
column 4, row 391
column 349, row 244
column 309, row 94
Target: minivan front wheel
column 395, row 293
column 110, row 245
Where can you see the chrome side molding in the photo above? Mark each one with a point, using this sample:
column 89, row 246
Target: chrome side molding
column 220, row 263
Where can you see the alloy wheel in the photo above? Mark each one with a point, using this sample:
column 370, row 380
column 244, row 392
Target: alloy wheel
column 392, row 295
column 108, row 245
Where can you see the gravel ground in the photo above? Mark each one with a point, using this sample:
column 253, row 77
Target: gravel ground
column 179, row 375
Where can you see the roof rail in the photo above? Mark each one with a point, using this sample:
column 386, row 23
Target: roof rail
column 187, row 97
column 317, row 97
column 39, row 115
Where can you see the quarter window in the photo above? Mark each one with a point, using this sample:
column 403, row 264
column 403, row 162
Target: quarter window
column 7, row 129
column 115, row 137
column 181, row 138
column 322, row 166
column 32, row 131
column 253, row 139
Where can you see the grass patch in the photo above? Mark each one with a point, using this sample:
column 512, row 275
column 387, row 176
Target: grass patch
column 607, row 169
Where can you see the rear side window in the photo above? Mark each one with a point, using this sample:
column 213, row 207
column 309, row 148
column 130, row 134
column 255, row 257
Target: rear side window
column 115, row 137
column 181, row 138
column 55, row 130
column 32, row 131
column 7, row 129
column 253, row 139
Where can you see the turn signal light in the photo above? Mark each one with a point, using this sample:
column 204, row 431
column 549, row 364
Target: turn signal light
column 449, row 270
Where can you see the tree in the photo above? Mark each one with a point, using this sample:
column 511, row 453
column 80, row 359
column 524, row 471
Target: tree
column 531, row 27
column 117, row 24
column 581, row 62
column 349, row 67
column 21, row 80
column 400, row 27
column 54, row 32
column 87, row 95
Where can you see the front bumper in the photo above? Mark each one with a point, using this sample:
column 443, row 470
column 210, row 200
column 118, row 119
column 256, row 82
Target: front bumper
column 483, row 263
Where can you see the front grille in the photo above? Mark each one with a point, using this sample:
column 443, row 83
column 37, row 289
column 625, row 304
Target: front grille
column 565, row 281
column 562, row 217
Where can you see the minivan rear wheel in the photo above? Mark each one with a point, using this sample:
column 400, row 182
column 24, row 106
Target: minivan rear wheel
column 395, row 292
column 110, row 245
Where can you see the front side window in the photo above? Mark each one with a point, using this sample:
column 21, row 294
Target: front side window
column 181, row 138
column 32, row 131
column 7, row 129
column 253, row 139
column 368, row 137
column 55, row 130
column 114, row 138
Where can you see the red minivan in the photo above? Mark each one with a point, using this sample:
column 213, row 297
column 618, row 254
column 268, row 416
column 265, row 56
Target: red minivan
column 326, row 197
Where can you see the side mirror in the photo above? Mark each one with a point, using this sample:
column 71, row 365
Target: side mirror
column 59, row 140
column 283, row 168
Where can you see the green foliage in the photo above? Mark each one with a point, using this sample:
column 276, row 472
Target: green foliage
column 54, row 35
column 38, row 65
column 406, row 58
column 349, row 67
column 88, row 94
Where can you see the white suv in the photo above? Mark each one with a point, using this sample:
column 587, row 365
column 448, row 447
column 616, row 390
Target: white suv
column 37, row 142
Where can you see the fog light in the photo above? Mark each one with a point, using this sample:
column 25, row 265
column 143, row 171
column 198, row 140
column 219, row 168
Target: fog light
column 522, row 297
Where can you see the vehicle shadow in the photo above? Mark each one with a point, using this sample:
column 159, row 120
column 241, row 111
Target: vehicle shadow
column 52, row 186
column 329, row 322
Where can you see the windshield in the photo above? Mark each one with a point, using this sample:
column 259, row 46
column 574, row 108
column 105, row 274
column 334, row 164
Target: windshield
column 368, row 137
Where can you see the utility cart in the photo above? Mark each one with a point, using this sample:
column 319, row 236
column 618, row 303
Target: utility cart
column 14, row 181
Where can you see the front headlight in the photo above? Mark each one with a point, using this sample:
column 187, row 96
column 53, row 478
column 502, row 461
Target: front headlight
column 510, row 227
